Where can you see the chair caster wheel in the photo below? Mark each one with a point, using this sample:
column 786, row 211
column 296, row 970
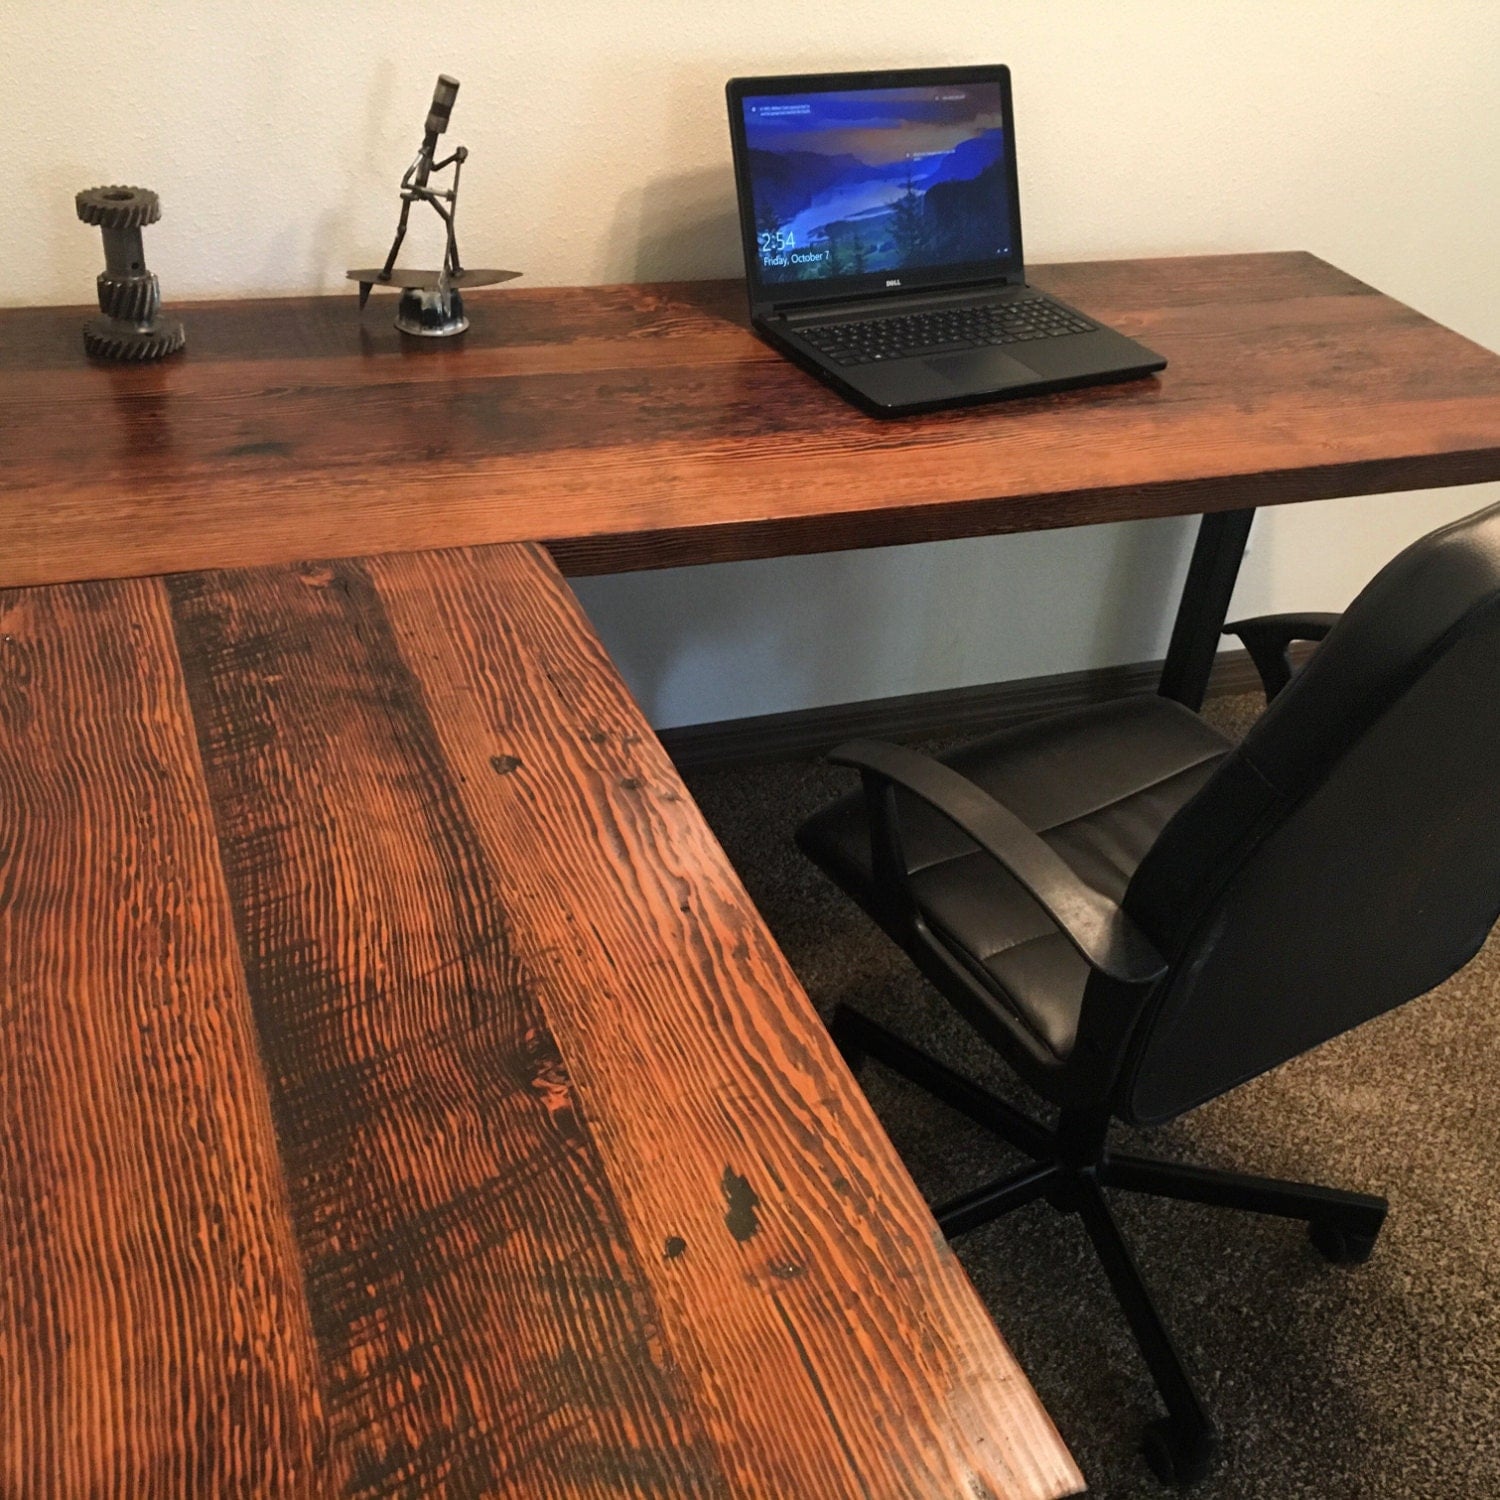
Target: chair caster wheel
column 1177, row 1457
column 1341, row 1247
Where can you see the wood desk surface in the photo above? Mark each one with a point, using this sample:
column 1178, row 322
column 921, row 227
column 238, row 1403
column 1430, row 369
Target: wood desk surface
column 644, row 426
column 402, row 1094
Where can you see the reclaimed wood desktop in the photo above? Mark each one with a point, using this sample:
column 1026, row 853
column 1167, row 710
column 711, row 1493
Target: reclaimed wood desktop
column 645, row 426
column 390, row 1056
column 402, row 1095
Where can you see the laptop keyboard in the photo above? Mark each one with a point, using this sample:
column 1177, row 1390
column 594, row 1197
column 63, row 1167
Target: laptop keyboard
column 940, row 330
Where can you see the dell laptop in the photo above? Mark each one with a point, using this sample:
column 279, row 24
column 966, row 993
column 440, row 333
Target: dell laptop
column 882, row 231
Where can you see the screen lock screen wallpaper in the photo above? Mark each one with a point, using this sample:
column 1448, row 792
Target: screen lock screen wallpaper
column 857, row 182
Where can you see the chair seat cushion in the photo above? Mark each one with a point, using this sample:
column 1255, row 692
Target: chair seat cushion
column 1098, row 785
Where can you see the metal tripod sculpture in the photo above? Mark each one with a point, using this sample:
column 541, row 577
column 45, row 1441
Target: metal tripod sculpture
column 431, row 303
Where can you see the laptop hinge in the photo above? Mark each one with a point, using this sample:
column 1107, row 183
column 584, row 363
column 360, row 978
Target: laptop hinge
column 801, row 311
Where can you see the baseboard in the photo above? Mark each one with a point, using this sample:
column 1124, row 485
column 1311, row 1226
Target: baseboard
column 810, row 731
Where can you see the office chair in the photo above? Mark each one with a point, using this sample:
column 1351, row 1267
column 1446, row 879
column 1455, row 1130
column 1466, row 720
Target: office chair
column 1139, row 914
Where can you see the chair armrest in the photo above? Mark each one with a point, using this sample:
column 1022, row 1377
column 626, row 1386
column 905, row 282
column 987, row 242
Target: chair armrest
column 1267, row 638
column 1104, row 936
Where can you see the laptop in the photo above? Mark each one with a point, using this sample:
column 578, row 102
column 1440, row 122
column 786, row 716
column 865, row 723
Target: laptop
column 882, row 231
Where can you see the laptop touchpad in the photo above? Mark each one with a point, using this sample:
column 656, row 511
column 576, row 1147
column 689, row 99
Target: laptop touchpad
column 982, row 370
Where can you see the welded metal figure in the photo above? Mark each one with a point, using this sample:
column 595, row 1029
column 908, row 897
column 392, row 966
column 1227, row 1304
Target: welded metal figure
column 430, row 300
column 414, row 188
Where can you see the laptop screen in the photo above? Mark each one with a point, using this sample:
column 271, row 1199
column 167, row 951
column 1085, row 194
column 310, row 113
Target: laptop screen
column 876, row 187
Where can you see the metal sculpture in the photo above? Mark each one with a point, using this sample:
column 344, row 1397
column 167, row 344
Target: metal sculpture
column 130, row 325
column 431, row 302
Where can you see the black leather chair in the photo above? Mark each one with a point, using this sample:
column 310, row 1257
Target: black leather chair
column 1139, row 914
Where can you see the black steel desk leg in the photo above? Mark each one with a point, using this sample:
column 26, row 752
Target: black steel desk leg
column 1205, row 605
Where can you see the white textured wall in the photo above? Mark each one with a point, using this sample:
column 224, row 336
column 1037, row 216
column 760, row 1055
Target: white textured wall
column 1363, row 130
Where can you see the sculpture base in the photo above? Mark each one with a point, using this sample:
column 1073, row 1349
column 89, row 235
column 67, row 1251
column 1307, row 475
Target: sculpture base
column 431, row 312
column 431, row 306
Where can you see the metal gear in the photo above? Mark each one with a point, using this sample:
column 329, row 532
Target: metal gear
column 118, row 207
column 105, row 339
column 131, row 327
column 133, row 298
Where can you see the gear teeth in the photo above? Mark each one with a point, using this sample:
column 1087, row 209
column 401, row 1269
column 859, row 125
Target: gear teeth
column 133, row 344
column 118, row 207
column 130, row 326
column 133, row 299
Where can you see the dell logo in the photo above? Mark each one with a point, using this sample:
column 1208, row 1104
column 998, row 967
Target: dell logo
column 893, row 281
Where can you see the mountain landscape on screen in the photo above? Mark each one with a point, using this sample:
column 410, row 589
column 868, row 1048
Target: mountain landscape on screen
column 848, row 184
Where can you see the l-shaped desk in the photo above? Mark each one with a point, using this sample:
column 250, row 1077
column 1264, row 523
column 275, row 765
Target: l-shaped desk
column 403, row 1095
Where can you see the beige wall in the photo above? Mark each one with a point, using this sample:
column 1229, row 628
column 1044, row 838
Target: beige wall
column 1366, row 132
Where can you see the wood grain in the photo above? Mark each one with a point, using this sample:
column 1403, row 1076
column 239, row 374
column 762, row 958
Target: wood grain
column 780, row 1233
column 645, row 426
column 568, row 1193
column 154, row 1339
column 486, row 1327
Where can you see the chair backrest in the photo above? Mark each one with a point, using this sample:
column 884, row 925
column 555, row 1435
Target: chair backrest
column 1345, row 858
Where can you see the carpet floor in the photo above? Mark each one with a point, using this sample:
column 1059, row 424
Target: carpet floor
column 1377, row 1382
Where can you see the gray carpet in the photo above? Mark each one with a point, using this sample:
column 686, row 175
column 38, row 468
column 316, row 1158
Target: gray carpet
column 1365, row 1383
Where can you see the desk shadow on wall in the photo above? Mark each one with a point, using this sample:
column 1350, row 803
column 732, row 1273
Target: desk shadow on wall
column 712, row 643
column 705, row 644
column 1137, row 604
